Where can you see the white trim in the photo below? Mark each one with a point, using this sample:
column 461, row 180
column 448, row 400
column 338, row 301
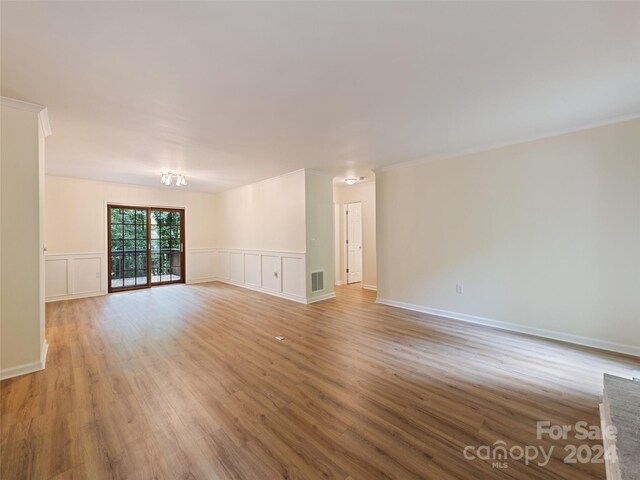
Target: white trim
column 499, row 145
column 43, row 117
column 514, row 327
column 202, row 280
column 43, row 353
column 318, row 172
column 76, row 296
column 266, row 291
column 339, row 282
column 27, row 367
column 43, row 113
column 281, row 253
column 264, row 180
column 320, row 298
column 370, row 287
column 21, row 105
column 64, row 255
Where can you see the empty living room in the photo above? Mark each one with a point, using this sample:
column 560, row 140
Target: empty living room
column 350, row 240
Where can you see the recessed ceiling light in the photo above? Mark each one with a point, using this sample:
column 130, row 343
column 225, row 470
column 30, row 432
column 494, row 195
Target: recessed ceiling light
column 350, row 181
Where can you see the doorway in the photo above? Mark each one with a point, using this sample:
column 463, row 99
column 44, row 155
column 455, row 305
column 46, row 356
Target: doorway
column 354, row 241
column 146, row 246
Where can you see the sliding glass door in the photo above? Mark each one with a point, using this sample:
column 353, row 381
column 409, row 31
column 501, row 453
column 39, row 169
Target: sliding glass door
column 166, row 246
column 146, row 247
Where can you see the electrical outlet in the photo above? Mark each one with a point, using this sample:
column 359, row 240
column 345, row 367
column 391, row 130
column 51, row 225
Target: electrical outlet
column 459, row 288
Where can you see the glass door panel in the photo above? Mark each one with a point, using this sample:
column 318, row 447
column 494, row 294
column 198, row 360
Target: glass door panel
column 128, row 248
column 166, row 246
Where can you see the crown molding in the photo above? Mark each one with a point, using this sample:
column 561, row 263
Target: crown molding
column 41, row 111
column 497, row 146
column 43, row 116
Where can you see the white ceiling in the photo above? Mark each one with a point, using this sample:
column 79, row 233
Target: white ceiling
column 231, row 93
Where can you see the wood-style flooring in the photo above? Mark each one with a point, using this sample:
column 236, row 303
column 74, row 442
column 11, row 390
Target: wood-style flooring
column 188, row 382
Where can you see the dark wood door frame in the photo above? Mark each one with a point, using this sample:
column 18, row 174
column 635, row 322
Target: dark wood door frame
column 149, row 283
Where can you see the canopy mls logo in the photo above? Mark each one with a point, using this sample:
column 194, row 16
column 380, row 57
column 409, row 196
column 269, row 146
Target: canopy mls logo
column 499, row 453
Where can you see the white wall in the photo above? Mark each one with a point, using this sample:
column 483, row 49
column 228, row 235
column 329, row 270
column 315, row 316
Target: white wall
column 272, row 234
column 264, row 216
column 22, row 345
column 365, row 193
column 544, row 235
column 319, row 232
column 76, row 237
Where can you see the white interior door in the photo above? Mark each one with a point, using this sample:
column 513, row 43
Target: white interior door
column 354, row 242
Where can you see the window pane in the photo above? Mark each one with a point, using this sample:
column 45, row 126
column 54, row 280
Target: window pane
column 116, row 232
column 129, row 231
column 116, row 215
column 129, row 216
column 116, row 266
column 141, row 245
column 129, row 245
column 141, row 262
column 141, row 277
column 141, row 217
column 129, row 262
column 116, row 245
column 174, row 218
column 141, row 231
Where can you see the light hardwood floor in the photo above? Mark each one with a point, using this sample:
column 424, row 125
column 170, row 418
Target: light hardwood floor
column 189, row 382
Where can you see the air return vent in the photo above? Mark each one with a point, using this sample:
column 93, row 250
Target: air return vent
column 317, row 281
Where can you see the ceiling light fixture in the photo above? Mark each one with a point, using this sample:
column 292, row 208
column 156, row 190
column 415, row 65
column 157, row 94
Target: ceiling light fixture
column 353, row 180
column 168, row 177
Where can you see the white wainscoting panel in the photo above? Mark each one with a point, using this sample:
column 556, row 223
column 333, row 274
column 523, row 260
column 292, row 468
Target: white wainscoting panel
column 258, row 268
column 236, row 267
column 56, row 277
column 223, row 265
column 293, row 276
column 74, row 275
column 272, row 272
column 87, row 277
column 252, row 269
column 201, row 265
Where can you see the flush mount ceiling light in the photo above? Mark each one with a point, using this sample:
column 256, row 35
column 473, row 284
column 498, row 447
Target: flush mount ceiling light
column 352, row 180
column 168, row 177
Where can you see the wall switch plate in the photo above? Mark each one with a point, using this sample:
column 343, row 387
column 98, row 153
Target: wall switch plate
column 459, row 288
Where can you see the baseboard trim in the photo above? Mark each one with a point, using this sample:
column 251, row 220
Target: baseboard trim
column 370, row 287
column 514, row 327
column 74, row 297
column 320, row 298
column 201, row 280
column 27, row 367
column 274, row 293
